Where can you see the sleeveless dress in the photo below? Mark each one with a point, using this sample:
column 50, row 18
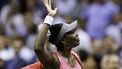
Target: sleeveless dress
column 65, row 65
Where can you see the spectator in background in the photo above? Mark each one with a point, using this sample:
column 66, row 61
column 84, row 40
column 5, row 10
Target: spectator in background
column 4, row 51
column 17, row 62
column 88, row 60
column 2, row 30
column 4, row 48
column 91, row 63
column 8, row 10
column 28, row 57
column 2, row 64
column 109, row 45
column 21, row 54
column 42, row 8
column 117, row 2
column 12, row 19
column 98, row 16
column 2, row 3
column 119, row 52
column 31, row 28
column 121, row 5
column 97, row 51
column 83, row 57
column 36, row 12
column 111, row 62
column 68, row 7
column 16, row 18
column 103, row 63
column 102, row 47
column 97, row 46
column 114, row 30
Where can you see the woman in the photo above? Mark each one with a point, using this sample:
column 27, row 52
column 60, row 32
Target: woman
column 63, row 37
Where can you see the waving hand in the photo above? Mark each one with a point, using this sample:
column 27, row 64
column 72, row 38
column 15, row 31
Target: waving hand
column 48, row 6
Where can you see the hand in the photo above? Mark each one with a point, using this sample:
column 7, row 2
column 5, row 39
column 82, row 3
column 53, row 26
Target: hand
column 47, row 4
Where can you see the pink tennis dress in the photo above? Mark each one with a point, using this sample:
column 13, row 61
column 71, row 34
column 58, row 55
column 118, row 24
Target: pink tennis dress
column 65, row 65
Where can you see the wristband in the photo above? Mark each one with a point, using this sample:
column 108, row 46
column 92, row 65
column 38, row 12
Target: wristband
column 40, row 27
column 49, row 20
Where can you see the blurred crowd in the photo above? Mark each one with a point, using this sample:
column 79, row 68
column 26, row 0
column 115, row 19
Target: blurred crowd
column 99, row 29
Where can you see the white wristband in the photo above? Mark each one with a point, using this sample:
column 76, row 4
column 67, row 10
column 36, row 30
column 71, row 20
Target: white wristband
column 40, row 27
column 49, row 20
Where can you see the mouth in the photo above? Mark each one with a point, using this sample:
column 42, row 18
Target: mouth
column 77, row 39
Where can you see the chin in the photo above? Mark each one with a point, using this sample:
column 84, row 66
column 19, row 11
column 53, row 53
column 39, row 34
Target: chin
column 76, row 44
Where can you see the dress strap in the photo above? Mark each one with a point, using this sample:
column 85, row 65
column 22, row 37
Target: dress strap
column 76, row 57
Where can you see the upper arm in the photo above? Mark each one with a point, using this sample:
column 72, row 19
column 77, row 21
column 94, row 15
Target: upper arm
column 49, row 60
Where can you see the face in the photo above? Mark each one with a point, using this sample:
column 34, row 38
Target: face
column 104, row 62
column 2, row 42
column 17, row 44
column 31, row 3
column 97, row 46
column 15, row 4
column 118, row 18
column 91, row 64
column 113, row 63
column 109, row 44
column 2, row 64
column 71, row 39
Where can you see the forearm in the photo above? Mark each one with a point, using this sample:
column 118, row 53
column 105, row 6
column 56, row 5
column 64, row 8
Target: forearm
column 41, row 38
column 39, row 47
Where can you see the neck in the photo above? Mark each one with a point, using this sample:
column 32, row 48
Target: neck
column 65, row 53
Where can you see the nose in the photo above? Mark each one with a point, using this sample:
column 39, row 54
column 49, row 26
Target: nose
column 76, row 35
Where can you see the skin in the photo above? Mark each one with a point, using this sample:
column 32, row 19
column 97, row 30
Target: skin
column 49, row 60
column 113, row 62
column 2, row 42
column 17, row 45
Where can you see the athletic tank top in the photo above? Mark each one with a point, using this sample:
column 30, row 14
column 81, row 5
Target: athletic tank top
column 65, row 65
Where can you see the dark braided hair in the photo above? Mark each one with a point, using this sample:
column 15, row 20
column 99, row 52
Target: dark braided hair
column 54, row 30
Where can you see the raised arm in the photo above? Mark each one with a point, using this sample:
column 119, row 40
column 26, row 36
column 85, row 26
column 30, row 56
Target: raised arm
column 47, row 59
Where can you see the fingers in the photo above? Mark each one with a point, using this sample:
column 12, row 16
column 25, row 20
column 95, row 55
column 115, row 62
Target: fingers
column 45, row 2
column 55, row 9
column 49, row 3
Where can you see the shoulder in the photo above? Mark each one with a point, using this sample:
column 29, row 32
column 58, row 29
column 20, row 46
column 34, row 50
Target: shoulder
column 75, row 54
column 77, row 57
